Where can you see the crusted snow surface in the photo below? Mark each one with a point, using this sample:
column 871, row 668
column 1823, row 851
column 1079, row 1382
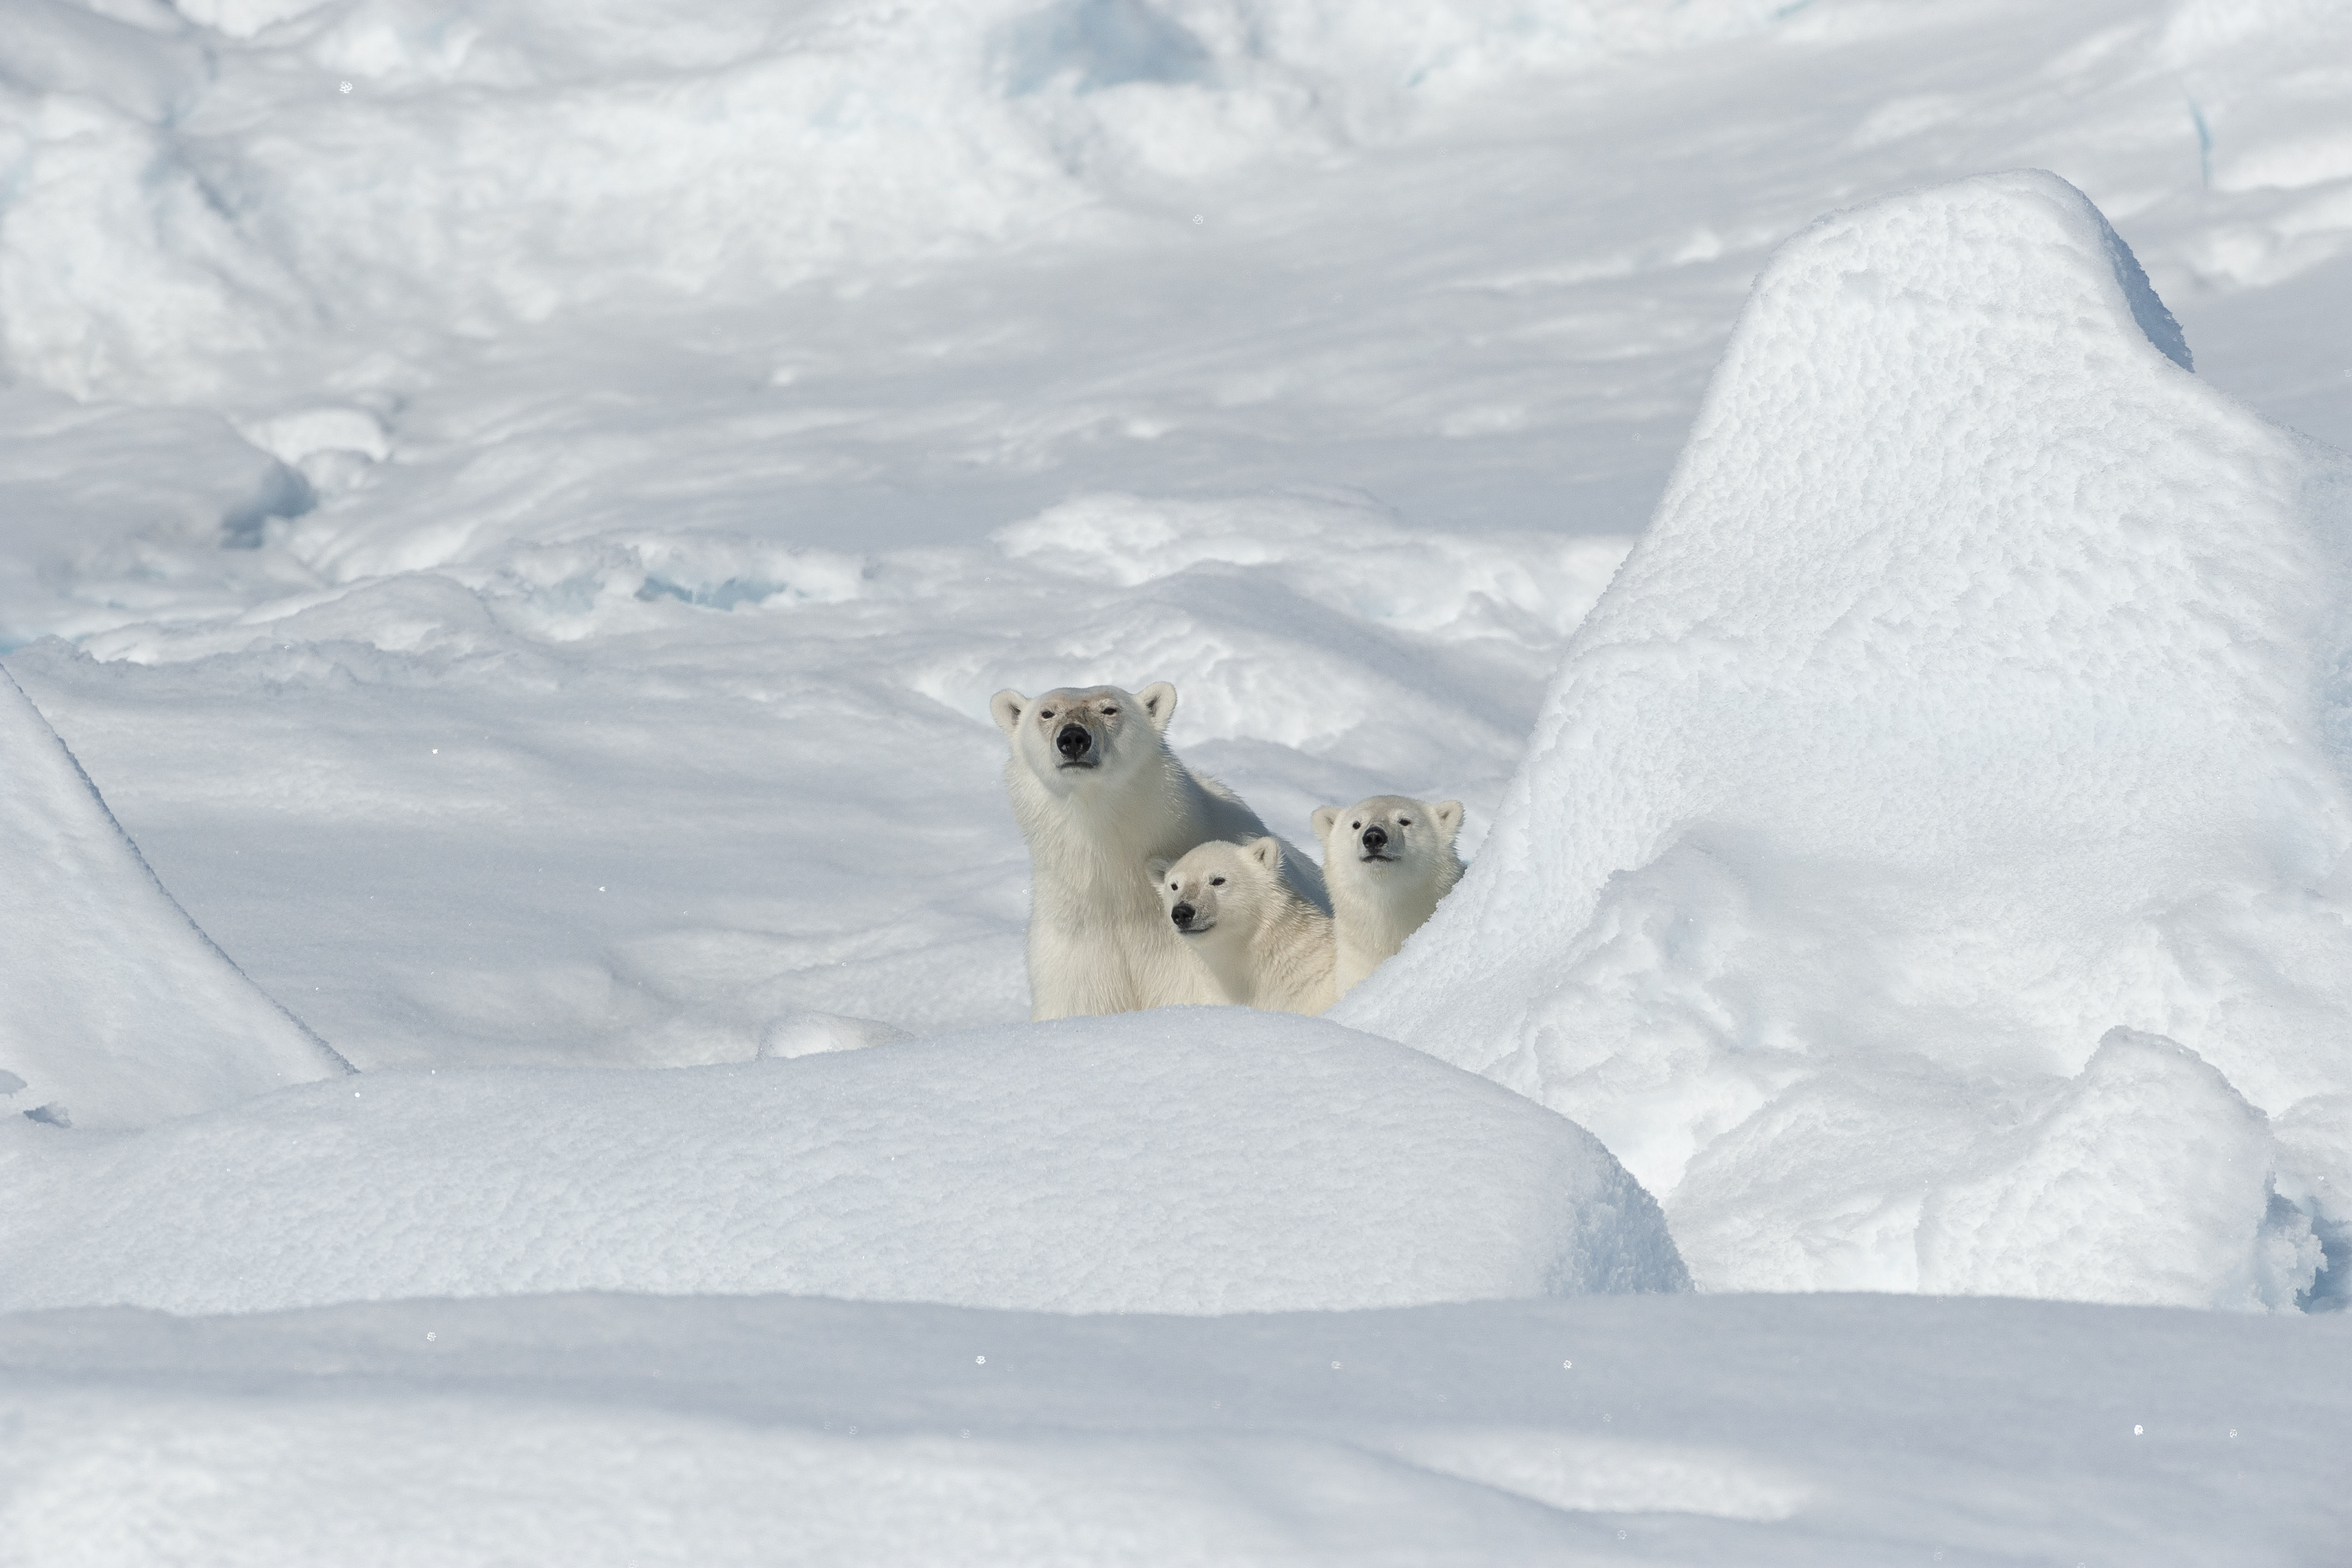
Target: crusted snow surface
column 1695, row 1431
column 1193, row 1160
column 1976, row 690
column 115, row 1010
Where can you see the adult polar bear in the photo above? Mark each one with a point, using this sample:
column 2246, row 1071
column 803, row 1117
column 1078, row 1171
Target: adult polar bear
column 1099, row 797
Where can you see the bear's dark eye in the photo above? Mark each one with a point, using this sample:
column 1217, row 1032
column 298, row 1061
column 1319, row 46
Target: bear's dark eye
column 1046, row 713
column 1355, row 824
column 1108, row 711
column 1404, row 822
column 1217, row 881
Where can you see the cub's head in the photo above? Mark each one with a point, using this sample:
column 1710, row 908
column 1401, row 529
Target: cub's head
column 1389, row 831
column 1075, row 735
column 1217, row 881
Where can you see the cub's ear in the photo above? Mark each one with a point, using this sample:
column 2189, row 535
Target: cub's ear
column 1266, row 852
column 1325, row 815
column 1159, row 868
column 1006, row 707
column 1158, row 700
column 1448, row 814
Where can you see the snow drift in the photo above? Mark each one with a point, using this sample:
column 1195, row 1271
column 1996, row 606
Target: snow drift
column 602, row 1431
column 115, row 1010
column 1978, row 687
column 1188, row 1160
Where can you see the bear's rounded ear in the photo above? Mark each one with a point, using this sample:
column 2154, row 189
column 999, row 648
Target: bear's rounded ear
column 1448, row 814
column 1158, row 700
column 1159, row 868
column 1325, row 815
column 1267, row 852
column 1006, row 707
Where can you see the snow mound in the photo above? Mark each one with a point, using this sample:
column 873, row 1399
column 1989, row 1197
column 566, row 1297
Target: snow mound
column 2180, row 1162
column 1979, row 686
column 115, row 1010
column 1188, row 1160
column 135, row 504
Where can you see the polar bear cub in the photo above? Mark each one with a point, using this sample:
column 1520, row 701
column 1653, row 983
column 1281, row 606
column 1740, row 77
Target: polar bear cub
column 1265, row 944
column 1098, row 795
column 1387, row 861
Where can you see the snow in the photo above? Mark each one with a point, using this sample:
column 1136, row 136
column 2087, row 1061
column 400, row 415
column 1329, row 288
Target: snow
column 519, row 509
column 609, row 1429
column 537, row 810
column 1190, row 1160
column 1933, row 729
column 2141, row 1183
column 115, row 1010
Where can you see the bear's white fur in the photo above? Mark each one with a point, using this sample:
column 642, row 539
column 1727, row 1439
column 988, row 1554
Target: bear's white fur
column 1094, row 815
column 1267, row 945
column 1385, row 886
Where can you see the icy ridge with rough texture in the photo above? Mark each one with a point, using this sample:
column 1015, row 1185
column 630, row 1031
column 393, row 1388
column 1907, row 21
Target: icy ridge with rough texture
column 1191, row 1160
column 1976, row 690
column 187, row 188
column 115, row 1009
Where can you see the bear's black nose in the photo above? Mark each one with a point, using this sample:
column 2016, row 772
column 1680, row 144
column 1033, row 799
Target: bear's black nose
column 1073, row 741
column 1181, row 914
column 1376, row 839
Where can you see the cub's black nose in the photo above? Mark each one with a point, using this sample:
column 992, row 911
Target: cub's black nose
column 1181, row 914
column 1073, row 741
column 1376, row 839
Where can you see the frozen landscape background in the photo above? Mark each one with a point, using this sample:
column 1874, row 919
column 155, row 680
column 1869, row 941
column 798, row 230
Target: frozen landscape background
column 518, row 510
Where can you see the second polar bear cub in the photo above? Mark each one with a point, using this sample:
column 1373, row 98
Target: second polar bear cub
column 1387, row 861
column 1265, row 944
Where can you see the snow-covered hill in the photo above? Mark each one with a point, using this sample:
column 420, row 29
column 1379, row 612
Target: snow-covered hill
column 1975, row 691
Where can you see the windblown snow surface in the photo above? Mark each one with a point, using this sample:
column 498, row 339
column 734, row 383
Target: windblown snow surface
column 518, row 510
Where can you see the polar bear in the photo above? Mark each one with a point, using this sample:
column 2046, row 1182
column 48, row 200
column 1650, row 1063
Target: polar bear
column 1098, row 795
column 1267, row 945
column 1387, row 861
